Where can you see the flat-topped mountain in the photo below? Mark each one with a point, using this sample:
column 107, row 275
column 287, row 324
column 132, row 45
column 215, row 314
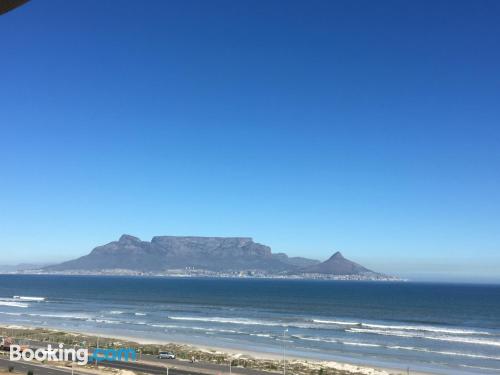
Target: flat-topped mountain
column 177, row 252
column 213, row 254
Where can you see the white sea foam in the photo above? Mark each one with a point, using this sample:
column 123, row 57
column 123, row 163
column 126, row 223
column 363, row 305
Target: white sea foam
column 422, row 328
column 28, row 298
column 243, row 321
column 225, row 320
column 10, row 313
column 116, row 312
column 336, row 322
column 165, row 326
column 261, row 335
column 396, row 347
column 173, row 326
column 384, row 332
column 317, row 339
column 61, row 316
column 455, row 354
column 426, row 329
column 14, row 304
column 140, row 314
column 104, row 321
column 362, row 344
column 463, row 340
column 222, row 330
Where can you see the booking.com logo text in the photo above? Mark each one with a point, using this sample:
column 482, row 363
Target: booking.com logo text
column 80, row 356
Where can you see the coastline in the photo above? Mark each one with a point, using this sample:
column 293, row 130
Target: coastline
column 332, row 321
column 215, row 275
column 253, row 359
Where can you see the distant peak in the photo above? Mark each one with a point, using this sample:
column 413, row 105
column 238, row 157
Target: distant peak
column 337, row 255
column 128, row 238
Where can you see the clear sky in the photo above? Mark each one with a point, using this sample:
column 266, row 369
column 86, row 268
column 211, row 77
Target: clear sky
column 370, row 127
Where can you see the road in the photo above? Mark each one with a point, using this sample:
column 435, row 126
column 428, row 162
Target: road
column 204, row 366
column 39, row 369
column 187, row 368
column 36, row 368
column 147, row 368
column 149, row 364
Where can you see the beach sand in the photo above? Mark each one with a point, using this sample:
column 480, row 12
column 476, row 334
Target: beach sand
column 251, row 359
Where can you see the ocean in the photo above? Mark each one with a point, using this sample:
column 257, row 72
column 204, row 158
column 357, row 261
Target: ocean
column 444, row 328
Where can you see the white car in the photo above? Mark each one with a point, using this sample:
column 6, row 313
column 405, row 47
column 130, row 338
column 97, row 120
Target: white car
column 166, row 355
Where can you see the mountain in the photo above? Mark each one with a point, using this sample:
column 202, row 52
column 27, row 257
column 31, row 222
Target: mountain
column 338, row 265
column 298, row 262
column 213, row 254
column 175, row 252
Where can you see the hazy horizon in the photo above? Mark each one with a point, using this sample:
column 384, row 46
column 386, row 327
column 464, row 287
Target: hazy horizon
column 365, row 127
column 442, row 270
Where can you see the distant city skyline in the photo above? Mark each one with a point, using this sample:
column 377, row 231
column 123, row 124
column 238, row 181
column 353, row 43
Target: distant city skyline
column 365, row 127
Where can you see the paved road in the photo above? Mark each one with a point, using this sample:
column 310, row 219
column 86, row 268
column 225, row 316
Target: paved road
column 37, row 369
column 187, row 367
column 148, row 368
column 215, row 368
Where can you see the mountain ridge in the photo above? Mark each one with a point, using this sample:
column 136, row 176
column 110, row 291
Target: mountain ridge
column 215, row 254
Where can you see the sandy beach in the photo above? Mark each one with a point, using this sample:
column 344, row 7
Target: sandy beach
column 253, row 359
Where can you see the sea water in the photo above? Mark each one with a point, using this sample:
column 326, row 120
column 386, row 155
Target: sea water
column 446, row 328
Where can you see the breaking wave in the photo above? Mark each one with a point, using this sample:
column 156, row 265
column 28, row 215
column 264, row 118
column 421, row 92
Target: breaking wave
column 61, row 316
column 14, row 304
column 403, row 327
column 464, row 340
column 225, row 320
column 27, row 298
column 448, row 353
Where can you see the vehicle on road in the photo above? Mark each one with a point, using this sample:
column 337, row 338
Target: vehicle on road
column 166, row 355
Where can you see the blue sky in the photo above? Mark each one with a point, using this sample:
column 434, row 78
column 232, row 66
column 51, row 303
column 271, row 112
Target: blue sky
column 311, row 126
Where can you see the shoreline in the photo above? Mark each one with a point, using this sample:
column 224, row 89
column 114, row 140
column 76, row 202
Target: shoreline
column 312, row 277
column 254, row 359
